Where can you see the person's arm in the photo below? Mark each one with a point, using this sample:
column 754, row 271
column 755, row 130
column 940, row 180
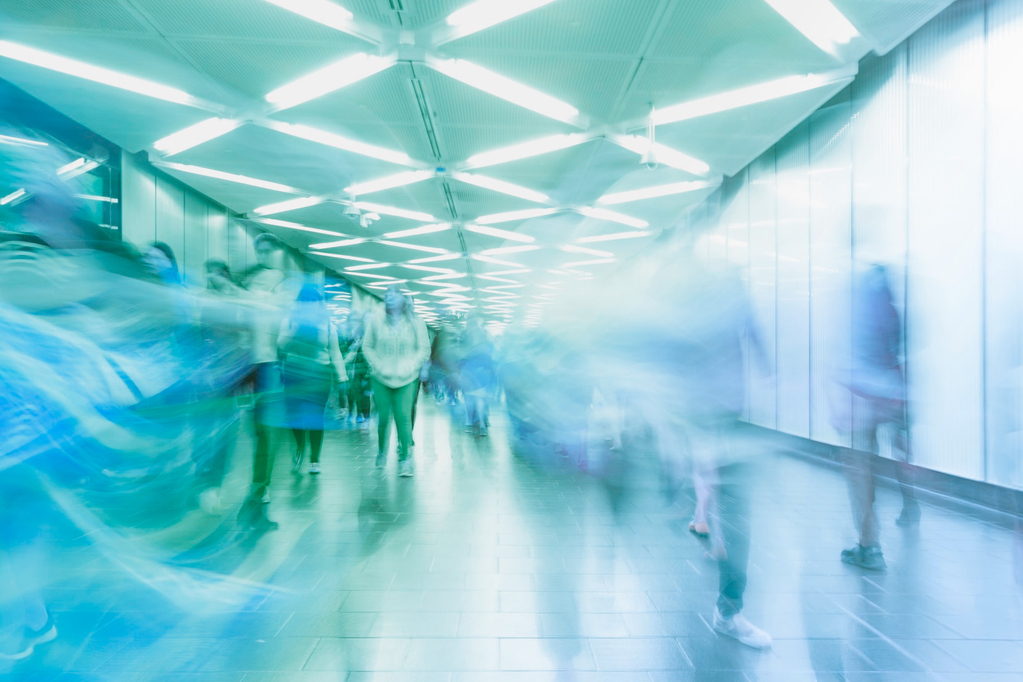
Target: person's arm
column 335, row 353
column 353, row 352
column 369, row 342
column 422, row 342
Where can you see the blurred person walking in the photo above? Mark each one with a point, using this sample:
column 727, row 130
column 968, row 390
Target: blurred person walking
column 396, row 345
column 873, row 396
column 308, row 341
column 357, row 368
column 477, row 376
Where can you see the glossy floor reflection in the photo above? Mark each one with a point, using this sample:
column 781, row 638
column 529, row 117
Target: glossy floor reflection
column 487, row 567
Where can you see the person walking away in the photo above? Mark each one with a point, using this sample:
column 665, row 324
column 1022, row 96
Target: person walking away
column 308, row 340
column 396, row 345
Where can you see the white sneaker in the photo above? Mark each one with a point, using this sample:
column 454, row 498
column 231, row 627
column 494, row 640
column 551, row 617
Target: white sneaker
column 405, row 468
column 314, row 468
column 266, row 496
column 741, row 629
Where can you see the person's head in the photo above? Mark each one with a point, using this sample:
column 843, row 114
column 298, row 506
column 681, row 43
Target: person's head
column 266, row 246
column 160, row 257
column 394, row 301
column 218, row 275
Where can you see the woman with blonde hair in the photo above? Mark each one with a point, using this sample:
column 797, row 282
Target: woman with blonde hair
column 396, row 344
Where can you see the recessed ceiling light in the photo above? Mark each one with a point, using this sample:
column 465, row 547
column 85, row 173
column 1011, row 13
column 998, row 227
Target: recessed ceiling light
column 497, row 232
column 396, row 212
column 654, row 192
column 818, row 20
column 613, row 237
column 571, row 248
column 510, row 249
column 500, row 186
column 416, row 231
column 505, row 88
column 195, row 135
column 229, row 177
column 321, row 11
column 525, row 150
column 483, row 14
column 21, row 141
column 662, row 154
column 389, row 182
column 612, row 216
column 753, row 94
column 328, row 79
column 414, row 247
column 334, row 245
column 296, row 226
column 341, row 256
column 512, row 216
column 339, row 142
column 289, row 205
column 92, row 73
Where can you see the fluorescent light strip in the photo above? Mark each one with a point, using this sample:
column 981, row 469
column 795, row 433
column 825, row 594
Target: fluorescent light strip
column 517, row 271
column 613, row 237
column 512, row 216
column 504, row 286
column 505, row 88
column 95, row 74
column 370, row 266
column 496, row 261
column 438, row 259
column 571, row 248
column 343, row 242
column 330, row 78
column 339, row 142
column 483, row 14
column 195, row 135
column 526, row 150
column 441, row 278
column 612, row 216
column 500, row 186
column 416, row 231
column 414, row 247
column 819, row 21
column 753, row 94
column 13, row 196
column 510, row 249
column 342, row 256
column 76, row 168
column 321, row 11
column 427, row 268
column 289, row 205
column 230, row 177
column 372, row 276
column 578, row 263
column 396, row 212
column 96, row 197
column 21, row 141
column 662, row 154
column 653, row 192
column 297, row 226
column 497, row 232
column 492, row 278
column 389, row 182
column 67, row 168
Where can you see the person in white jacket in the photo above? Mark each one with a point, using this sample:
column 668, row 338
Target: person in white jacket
column 396, row 345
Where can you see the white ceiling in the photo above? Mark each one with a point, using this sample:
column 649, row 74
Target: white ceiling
column 610, row 59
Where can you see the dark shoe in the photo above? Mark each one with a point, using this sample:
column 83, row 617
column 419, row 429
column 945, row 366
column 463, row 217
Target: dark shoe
column 909, row 517
column 869, row 558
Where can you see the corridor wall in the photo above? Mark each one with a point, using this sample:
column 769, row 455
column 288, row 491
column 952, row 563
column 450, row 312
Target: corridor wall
column 916, row 166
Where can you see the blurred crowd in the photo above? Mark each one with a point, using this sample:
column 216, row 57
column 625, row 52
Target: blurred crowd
column 126, row 390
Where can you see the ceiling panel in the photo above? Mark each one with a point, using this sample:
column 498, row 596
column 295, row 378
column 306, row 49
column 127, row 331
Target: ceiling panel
column 256, row 68
column 602, row 27
column 269, row 155
column 885, row 23
column 98, row 16
column 591, row 85
column 231, row 18
column 385, row 97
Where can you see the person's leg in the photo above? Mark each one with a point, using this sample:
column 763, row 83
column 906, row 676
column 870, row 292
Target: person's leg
column 384, row 398
column 903, row 469
column 315, row 445
column 262, row 465
column 733, row 510
column 299, row 435
column 415, row 402
column 859, row 472
column 404, row 398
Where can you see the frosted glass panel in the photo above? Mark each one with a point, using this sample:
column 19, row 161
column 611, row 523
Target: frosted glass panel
column 138, row 203
column 793, row 332
column 1004, row 247
column 735, row 221
column 763, row 289
column 830, row 253
column 217, row 238
column 196, row 237
column 946, row 213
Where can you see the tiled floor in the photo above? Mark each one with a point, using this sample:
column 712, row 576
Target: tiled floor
column 487, row 567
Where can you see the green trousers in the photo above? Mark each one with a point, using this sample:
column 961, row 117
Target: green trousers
column 396, row 403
